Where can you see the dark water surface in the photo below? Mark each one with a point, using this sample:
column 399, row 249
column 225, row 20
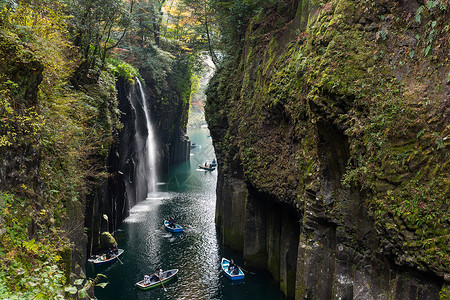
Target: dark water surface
column 189, row 195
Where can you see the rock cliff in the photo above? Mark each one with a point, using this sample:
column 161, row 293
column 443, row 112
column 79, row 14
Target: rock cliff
column 169, row 102
column 126, row 186
column 68, row 159
column 52, row 135
column 331, row 128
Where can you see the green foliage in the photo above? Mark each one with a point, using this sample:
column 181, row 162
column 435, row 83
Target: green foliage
column 202, row 29
column 124, row 70
column 432, row 3
column 445, row 292
column 147, row 22
column 99, row 26
column 29, row 267
column 435, row 23
column 418, row 14
column 80, row 287
column 382, row 34
column 177, row 92
column 387, row 131
column 156, row 63
column 234, row 16
column 58, row 102
column 62, row 137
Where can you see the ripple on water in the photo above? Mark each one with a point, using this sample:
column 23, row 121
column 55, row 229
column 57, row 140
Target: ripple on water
column 139, row 212
column 189, row 196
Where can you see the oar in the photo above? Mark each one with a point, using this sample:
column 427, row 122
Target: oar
column 118, row 259
column 246, row 271
column 162, row 284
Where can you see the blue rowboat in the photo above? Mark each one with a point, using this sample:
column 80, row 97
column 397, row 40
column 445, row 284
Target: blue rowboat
column 177, row 227
column 100, row 259
column 233, row 273
column 166, row 276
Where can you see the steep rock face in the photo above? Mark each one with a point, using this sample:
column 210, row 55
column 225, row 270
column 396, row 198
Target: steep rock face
column 42, row 146
column 110, row 199
column 21, row 70
column 330, row 129
column 126, row 186
column 169, row 101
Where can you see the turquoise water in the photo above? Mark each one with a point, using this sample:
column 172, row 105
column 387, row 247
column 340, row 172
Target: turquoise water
column 188, row 194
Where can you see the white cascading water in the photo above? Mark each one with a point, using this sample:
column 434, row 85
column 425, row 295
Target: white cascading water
column 150, row 146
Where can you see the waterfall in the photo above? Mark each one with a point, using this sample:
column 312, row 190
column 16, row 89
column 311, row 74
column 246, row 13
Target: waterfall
column 149, row 169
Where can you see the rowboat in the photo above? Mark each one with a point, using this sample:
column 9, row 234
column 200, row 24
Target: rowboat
column 206, row 168
column 177, row 227
column 235, row 273
column 166, row 276
column 103, row 258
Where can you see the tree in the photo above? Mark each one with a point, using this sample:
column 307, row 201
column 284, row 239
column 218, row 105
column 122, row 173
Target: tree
column 148, row 16
column 99, row 25
column 203, row 22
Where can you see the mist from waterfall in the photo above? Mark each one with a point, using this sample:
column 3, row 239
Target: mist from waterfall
column 149, row 169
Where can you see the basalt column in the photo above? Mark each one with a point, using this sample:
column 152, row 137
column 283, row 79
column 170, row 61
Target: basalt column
column 316, row 250
column 271, row 239
column 255, row 240
column 290, row 230
column 231, row 210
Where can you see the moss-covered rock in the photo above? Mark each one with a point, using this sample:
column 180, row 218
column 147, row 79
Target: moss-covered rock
column 107, row 241
column 345, row 120
column 54, row 139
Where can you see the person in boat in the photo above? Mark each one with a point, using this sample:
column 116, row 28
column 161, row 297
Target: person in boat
column 146, row 279
column 157, row 276
column 206, row 164
column 154, row 278
column 214, row 161
column 171, row 222
column 108, row 254
column 231, row 266
column 236, row 270
column 115, row 251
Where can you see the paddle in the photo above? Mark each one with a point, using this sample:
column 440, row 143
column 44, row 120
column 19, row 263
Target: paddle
column 165, row 290
column 118, row 259
column 246, row 271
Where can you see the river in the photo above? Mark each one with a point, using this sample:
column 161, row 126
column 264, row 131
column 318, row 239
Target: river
column 189, row 195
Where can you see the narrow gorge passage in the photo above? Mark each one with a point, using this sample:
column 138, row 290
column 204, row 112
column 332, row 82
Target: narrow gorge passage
column 189, row 195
